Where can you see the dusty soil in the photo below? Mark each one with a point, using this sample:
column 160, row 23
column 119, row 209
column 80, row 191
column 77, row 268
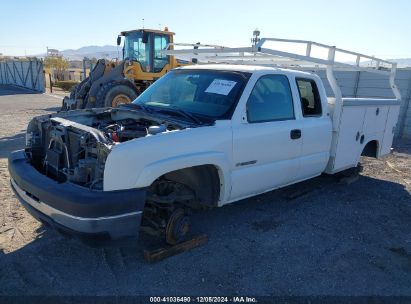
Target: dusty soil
column 17, row 107
column 329, row 239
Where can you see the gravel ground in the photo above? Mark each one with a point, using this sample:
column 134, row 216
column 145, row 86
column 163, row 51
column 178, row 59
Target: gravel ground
column 333, row 239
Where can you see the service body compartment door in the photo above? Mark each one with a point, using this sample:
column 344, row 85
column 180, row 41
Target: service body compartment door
column 375, row 118
column 363, row 121
column 348, row 142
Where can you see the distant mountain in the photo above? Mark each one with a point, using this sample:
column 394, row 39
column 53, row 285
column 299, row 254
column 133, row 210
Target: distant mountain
column 403, row 62
column 92, row 51
column 106, row 51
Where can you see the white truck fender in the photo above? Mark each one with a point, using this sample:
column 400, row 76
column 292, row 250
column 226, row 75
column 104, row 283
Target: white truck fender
column 156, row 169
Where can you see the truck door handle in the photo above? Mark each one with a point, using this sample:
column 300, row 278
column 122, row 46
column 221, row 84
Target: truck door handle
column 295, row 134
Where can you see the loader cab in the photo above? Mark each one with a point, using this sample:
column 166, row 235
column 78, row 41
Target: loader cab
column 144, row 47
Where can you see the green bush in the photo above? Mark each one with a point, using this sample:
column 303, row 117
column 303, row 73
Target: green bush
column 66, row 85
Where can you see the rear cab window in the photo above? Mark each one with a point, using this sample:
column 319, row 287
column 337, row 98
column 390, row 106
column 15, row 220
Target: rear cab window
column 309, row 97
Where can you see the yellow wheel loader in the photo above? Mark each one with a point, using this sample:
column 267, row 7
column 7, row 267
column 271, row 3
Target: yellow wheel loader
column 113, row 83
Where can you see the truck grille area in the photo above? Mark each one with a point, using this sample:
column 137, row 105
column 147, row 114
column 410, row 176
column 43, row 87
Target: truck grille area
column 66, row 151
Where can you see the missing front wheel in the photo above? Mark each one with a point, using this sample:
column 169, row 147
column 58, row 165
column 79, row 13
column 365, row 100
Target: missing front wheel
column 167, row 211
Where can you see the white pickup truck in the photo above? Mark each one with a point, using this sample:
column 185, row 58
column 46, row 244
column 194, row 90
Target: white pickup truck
column 201, row 136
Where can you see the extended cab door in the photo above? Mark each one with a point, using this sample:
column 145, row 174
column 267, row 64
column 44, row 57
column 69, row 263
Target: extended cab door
column 267, row 142
column 316, row 127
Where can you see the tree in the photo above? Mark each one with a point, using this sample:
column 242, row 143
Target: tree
column 58, row 64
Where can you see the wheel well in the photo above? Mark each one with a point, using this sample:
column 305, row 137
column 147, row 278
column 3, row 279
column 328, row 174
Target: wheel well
column 370, row 149
column 203, row 180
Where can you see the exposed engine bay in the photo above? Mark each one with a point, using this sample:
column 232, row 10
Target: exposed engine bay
column 74, row 146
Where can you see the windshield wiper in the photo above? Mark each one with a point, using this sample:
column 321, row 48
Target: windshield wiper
column 183, row 113
column 137, row 105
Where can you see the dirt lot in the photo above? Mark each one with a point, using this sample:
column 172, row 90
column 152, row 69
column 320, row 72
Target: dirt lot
column 335, row 240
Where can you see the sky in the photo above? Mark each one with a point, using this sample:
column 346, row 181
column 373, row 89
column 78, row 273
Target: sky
column 380, row 28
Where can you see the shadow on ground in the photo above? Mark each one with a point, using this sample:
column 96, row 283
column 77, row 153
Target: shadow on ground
column 52, row 109
column 334, row 239
column 15, row 90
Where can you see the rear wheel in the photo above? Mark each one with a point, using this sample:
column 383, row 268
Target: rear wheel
column 119, row 94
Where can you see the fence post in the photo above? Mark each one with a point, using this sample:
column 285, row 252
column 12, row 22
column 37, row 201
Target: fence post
column 51, row 85
column 1, row 73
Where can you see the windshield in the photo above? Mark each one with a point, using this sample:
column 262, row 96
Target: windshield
column 135, row 49
column 200, row 92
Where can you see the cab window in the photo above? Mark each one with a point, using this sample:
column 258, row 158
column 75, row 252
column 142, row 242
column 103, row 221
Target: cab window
column 309, row 97
column 270, row 100
column 160, row 44
column 136, row 49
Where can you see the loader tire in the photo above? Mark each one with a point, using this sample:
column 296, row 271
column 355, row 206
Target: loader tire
column 113, row 94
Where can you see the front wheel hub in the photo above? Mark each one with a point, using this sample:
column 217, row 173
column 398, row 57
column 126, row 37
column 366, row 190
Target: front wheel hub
column 177, row 227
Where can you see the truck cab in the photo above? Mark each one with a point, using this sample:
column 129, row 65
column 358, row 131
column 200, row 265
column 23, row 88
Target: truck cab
column 142, row 52
column 282, row 126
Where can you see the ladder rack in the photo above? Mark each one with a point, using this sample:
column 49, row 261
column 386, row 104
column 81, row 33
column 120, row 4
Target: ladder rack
column 261, row 54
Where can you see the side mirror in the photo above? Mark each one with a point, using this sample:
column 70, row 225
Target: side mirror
column 118, row 40
column 145, row 37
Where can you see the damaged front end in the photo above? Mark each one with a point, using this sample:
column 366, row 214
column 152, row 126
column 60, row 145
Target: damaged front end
column 73, row 147
column 58, row 178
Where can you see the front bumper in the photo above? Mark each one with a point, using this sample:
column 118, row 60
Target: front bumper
column 93, row 216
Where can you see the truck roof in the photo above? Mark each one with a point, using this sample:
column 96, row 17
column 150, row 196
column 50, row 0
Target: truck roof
column 241, row 68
